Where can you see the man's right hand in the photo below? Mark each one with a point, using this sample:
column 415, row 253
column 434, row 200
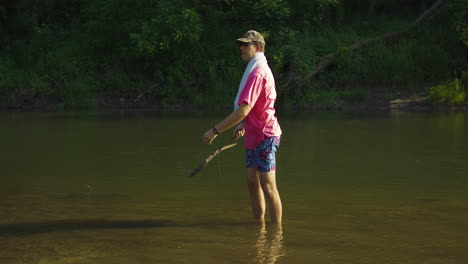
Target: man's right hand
column 239, row 131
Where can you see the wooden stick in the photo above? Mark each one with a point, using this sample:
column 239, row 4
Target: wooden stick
column 210, row 157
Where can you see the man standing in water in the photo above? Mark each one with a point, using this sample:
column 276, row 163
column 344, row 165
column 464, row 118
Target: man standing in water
column 254, row 115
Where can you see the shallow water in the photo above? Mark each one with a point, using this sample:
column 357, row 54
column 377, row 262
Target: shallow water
column 113, row 188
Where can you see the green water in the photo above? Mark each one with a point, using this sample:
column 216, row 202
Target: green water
column 112, row 188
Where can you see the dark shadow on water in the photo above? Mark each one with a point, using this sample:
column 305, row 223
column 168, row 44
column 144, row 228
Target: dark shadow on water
column 18, row 229
column 31, row 228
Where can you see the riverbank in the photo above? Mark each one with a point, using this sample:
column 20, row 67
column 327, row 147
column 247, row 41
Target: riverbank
column 170, row 55
column 375, row 101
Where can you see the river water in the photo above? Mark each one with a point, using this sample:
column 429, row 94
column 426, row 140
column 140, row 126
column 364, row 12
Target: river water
column 113, row 188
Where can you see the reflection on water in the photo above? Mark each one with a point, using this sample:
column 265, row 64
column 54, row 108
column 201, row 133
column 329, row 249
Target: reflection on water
column 269, row 244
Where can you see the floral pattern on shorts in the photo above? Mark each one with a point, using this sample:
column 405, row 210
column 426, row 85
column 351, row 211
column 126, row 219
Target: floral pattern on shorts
column 263, row 157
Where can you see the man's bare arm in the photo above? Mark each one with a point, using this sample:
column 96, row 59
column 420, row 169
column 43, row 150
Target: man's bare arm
column 233, row 119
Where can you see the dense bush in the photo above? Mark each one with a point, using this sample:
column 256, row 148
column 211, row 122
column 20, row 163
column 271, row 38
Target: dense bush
column 182, row 52
column 449, row 93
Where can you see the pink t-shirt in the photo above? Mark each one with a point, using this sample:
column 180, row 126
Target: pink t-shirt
column 259, row 92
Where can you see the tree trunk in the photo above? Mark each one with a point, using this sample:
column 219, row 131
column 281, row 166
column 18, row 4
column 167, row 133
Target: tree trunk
column 331, row 58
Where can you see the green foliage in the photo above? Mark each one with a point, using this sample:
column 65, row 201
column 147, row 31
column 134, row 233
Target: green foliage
column 449, row 93
column 167, row 30
column 8, row 74
column 182, row 52
column 424, row 58
column 270, row 14
column 459, row 10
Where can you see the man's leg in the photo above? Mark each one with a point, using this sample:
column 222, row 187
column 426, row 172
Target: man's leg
column 268, row 184
column 257, row 199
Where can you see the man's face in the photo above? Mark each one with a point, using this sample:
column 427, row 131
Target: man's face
column 248, row 51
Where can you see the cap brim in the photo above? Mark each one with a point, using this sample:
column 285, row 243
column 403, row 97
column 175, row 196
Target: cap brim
column 244, row 40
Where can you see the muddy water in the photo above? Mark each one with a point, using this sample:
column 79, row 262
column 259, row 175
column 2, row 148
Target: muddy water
column 112, row 188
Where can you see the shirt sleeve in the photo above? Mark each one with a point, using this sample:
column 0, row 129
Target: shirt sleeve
column 252, row 90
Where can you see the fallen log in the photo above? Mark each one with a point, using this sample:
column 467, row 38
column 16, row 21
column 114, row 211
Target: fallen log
column 330, row 59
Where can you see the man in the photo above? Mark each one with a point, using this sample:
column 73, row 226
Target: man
column 254, row 105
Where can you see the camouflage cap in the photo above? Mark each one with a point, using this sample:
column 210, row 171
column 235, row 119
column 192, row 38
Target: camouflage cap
column 250, row 36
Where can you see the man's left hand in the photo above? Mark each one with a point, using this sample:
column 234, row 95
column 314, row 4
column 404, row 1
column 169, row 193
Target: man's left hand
column 209, row 136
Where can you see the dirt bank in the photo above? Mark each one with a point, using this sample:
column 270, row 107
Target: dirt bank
column 374, row 102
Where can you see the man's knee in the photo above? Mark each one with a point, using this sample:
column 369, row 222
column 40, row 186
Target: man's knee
column 268, row 182
column 268, row 188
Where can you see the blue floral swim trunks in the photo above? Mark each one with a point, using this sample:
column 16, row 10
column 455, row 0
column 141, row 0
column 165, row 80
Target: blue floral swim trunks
column 263, row 157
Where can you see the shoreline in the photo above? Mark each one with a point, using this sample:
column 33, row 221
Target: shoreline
column 376, row 102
